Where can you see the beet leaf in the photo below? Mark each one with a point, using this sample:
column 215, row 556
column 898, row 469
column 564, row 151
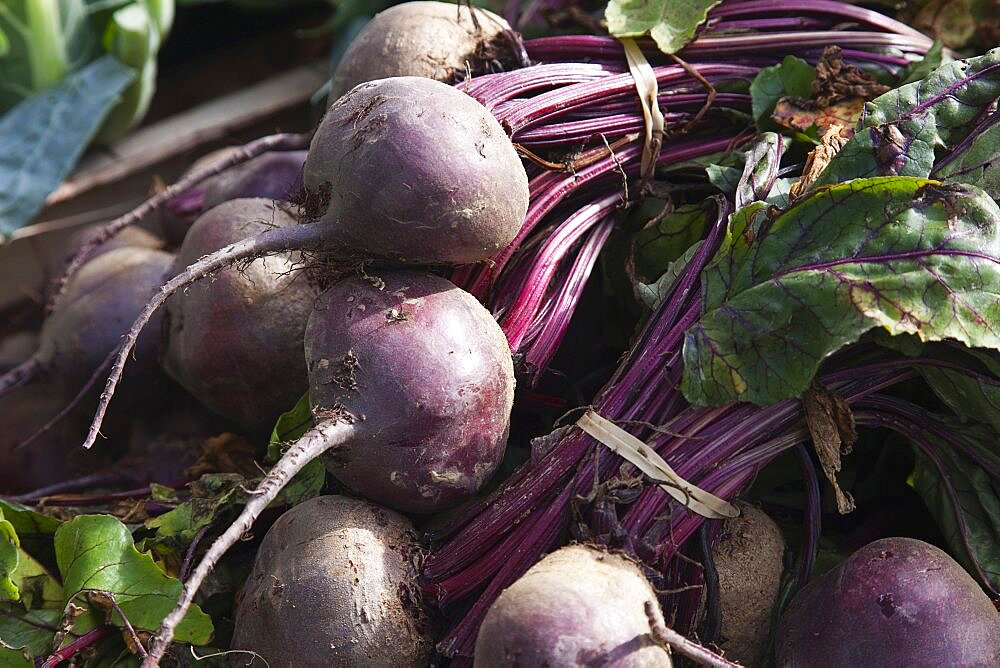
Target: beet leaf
column 671, row 23
column 900, row 130
column 910, row 255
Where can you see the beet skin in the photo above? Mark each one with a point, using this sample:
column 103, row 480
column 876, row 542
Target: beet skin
column 413, row 170
column 894, row 602
column 425, row 372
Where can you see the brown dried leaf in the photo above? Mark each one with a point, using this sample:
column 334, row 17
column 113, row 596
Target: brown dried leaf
column 831, row 425
column 839, row 93
column 797, row 114
column 836, row 80
column 831, row 142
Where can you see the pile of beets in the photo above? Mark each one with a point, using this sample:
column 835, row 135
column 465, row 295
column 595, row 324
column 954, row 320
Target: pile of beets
column 402, row 266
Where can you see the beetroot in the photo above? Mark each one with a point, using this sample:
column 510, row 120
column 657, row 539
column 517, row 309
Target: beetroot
column 90, row 317
column 438, row 40
column 428, row 371
column 578, row 606
column 414, row 170
column 749, row 559
column 400, row 169
column 275, row 175
column 332, row 586
column 416, row 369
column 218, row 332
column 894, row 602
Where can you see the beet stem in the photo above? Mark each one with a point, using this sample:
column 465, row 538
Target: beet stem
column 20, row 375
column 299, row 237
column 278, row 142
column 315, row 442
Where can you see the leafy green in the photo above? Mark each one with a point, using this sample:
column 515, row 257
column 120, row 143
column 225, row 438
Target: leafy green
column 654, row 293
column 671, row 23
column 38, row 588
column 132, row 37
column 45, row 42
column 786, row 289
column 977, row 163
column 27, row 521
column 71, row 72
column 96, row 552
column 25, row 634
column 657, row 246
column 291, row 425
column 10, row 548
column 792, row 77
column 971, row 396
column 760, row 169
column 215, row 495
column 44, row 136
column 901, row 129
column 972, row 525
column 933, row 59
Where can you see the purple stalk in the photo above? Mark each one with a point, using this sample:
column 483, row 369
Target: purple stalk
column 546, row 261
column 555, row 321
column 813, row 519
column 840, row 11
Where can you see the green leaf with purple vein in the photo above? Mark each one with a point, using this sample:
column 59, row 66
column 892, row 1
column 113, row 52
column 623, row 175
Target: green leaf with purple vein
column 787, row 289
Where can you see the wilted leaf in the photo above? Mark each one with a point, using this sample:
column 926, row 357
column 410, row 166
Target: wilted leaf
column 671, row 23
column 831, row 426
column 796, row 114
column 837, row 96
column 830, row 143
column 787, row 289
column 96, row 552
column 836, row 80
column 901, row 129
column 43, row 136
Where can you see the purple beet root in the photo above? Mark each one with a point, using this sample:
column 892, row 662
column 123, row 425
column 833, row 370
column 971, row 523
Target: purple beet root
column 400, row 165
column 275, row 175
column 235, row 343
column 578, row 606
column 438, row 40
column 412, row 385
column 894, row 602
column 91, row 316
column 427, row 372
column 332, row 585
